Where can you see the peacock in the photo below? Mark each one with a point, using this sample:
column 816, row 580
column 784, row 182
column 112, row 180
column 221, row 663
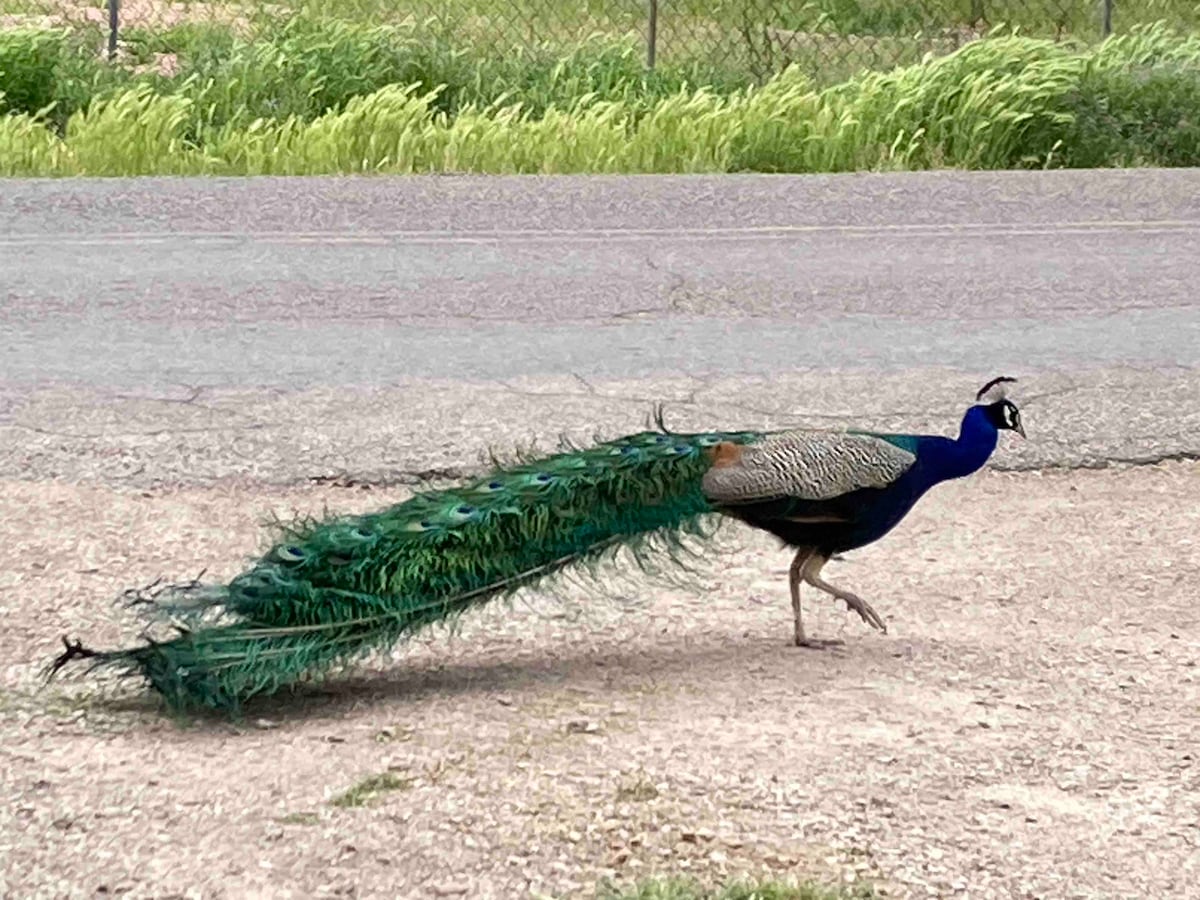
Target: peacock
column 331, row 590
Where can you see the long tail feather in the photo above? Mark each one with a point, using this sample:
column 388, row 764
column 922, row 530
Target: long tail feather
column 332, row 590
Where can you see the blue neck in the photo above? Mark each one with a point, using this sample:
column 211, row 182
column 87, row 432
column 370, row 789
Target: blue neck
column 944, row 459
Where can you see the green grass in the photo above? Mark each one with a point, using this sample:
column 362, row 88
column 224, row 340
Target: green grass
column 370, row 789
column 46, row 72
column 307, row 67
column 686, row 889
column 997, row 103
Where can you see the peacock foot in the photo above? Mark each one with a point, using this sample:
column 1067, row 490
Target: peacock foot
column 864, row 609
column 820, row 643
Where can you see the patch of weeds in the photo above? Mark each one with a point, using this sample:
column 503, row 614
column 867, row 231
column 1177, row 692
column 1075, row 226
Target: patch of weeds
column 389, row 733
column 637, row 789
column 687, row 889
column 299, row 818
column 59, row 703
column 898, row 17
column 369, row 790
column 62, row 705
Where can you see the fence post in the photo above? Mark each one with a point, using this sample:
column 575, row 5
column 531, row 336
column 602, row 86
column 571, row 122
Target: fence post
column 1106, row 17
column 651, row 35
column 113, row 20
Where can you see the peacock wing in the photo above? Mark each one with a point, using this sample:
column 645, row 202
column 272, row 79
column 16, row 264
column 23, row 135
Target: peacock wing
column 805, row 466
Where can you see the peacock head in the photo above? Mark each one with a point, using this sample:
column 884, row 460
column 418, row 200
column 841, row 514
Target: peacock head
column 1000, row 411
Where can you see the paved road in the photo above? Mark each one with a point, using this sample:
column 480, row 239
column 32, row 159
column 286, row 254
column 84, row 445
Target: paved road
column 281, row 328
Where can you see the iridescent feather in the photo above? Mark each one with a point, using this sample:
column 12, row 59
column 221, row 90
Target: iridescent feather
column 332, row 590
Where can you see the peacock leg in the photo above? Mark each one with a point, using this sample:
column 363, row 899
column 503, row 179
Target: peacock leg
column 812, row 575
column 795, row 575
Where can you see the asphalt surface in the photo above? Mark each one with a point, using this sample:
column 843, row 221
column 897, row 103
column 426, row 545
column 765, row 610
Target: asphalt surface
column 164, row 330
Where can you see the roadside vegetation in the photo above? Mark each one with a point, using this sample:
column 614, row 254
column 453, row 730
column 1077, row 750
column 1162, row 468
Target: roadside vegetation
column 322, row 96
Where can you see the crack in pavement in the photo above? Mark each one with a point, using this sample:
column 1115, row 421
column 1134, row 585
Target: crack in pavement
column 1106, row 462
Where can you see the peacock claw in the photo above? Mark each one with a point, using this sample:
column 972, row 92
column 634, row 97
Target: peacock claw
column 864, row 609
column 857, row 604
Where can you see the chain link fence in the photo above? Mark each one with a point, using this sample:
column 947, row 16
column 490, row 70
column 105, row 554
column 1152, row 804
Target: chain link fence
column 831, row 39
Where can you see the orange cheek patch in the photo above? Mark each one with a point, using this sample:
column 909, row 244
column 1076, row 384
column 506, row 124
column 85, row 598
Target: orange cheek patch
column 725, row 454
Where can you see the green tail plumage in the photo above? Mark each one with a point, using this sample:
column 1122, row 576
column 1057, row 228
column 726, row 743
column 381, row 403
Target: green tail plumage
column 335, row 589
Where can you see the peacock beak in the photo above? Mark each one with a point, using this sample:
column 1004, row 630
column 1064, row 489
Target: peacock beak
column 1019, row 428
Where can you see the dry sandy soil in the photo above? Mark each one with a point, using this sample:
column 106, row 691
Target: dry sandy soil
column 1029, row 727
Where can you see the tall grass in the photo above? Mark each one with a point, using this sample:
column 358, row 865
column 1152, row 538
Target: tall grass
column 147, row 129
column 28, row 147
column 307, row 67
column 997, row 103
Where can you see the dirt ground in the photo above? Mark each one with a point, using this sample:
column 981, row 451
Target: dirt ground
column 1030, row 727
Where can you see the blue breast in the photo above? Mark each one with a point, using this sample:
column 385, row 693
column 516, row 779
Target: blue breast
column 878, row 511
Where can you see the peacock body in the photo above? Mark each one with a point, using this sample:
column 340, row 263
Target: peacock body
column 329, row 591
